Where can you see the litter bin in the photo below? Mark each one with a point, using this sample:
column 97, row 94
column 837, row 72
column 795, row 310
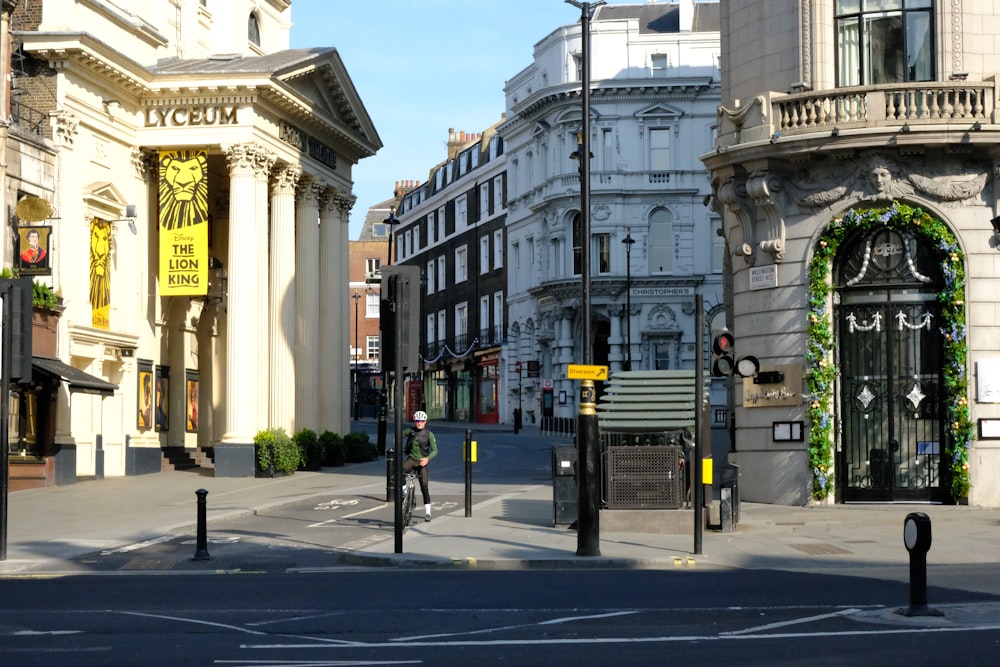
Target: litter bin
column 729, row 496
column 564, row 493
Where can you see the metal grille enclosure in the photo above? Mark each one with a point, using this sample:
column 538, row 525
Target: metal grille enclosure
column 645, row 477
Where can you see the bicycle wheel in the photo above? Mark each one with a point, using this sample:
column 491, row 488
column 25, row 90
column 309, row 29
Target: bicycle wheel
column 408, row 500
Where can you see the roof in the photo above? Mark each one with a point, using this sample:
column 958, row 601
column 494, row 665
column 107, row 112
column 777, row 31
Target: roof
column 76, row 379
column 663, row 18
column 237, row 64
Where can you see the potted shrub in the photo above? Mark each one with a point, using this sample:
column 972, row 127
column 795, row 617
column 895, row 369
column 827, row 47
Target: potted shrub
column 334, row 453
column 276, row 452
column 360, row 448
column 310, row 451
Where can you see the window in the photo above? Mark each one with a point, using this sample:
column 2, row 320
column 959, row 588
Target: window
column 430, row 277
column 461, row 264
column 253, row 29
column 441, row 233
column 602, row 243
column 372, row 302
column 462, row 324
column 661, row 356
column 498, row 317
column 578, row 66
column 884, row 41
column 661, row 232
column 461, row 212
column 498, row 249
column 442, row 268
column 497, row 194
column 432, row 230
column 659, row 149
column 484, row 255
column 431, row 335
column 372, row 266
column 607, row 149
column 577, row 245
column 484, row 201
column 659, row 63
column 442, row 326
column 372, row 346
column 484, row 319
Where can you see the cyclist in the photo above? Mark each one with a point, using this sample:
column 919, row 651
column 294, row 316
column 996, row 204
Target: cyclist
column 420, row 448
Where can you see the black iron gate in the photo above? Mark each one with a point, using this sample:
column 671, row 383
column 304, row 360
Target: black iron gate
column 890, row 353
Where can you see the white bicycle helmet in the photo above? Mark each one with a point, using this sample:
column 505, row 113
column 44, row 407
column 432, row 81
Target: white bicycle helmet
column 419, row 416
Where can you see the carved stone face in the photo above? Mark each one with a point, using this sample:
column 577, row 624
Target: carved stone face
column 881, row 179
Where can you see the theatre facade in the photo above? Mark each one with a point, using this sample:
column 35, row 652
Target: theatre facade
column 197, row 242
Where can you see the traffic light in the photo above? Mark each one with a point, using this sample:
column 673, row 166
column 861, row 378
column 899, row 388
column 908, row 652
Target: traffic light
column 725, row 362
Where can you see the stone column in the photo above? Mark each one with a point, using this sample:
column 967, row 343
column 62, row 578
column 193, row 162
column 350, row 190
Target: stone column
column 282, row 301
column 307, row 328
column 234, row 457
column 264, row 162
column 331, row 323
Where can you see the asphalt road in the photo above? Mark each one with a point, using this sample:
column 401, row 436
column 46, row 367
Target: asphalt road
column 459, row 617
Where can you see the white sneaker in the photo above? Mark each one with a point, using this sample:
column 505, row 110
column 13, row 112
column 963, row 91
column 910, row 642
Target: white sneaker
column 427, row 518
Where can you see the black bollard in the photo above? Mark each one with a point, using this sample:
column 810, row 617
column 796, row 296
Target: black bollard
column 917, row 539
column 390, row 477
column 201, row 549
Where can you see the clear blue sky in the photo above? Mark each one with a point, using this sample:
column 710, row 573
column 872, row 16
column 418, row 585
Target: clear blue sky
column 423, row 66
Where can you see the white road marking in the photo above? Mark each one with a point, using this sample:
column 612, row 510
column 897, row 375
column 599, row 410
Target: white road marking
column 320, row 524
column 794, row 621
column 554, row 621
column 137, row 545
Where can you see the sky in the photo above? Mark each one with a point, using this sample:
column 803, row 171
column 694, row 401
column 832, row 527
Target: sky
column 422, row 67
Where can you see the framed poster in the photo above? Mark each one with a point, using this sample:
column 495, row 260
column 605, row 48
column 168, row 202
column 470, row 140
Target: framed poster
column 191, row 420
column 144, row 422
column 162, row 398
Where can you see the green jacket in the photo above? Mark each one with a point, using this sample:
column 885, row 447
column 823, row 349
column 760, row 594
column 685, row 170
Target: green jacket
column 426, row 441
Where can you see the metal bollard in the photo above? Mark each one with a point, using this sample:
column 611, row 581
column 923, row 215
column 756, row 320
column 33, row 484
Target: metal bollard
column 201, row 549
column 917, row 539
column 390, row 476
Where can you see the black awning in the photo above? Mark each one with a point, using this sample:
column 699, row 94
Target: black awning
column 74, row 377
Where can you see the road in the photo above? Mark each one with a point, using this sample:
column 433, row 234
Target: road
column 460, row 617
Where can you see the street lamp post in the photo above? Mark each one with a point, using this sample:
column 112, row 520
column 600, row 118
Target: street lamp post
column 628, row 241
column 389, row 222
column 357, row 354
column 588, row 541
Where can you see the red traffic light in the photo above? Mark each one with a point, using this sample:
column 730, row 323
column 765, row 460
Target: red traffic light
column 517, row 367
column 723, row 343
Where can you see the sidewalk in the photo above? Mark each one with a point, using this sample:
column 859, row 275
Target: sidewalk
column 49, row 527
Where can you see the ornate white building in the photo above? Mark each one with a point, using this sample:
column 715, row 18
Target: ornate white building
column 855, row 168
column 655, row 90
column 171, row 113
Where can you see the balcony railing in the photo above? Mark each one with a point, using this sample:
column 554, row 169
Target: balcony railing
column 962, row 103
column 30, row 120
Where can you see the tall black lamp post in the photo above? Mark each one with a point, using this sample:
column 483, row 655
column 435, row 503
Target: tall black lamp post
column 389, row 222
column 588, row 540
column 628, row 241
column 357, row 353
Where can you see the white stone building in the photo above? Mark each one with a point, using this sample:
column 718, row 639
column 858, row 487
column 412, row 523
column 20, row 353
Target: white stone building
column 208, row 99
column 856, row 168
column 655, row 89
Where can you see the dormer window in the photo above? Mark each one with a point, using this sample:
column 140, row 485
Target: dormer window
column 253, row 29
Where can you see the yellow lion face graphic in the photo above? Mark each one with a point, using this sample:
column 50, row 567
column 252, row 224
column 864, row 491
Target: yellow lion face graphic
column 183, row 189
column 100, row 263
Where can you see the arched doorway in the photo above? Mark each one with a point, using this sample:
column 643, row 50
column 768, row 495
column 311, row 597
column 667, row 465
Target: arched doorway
column 890, row 353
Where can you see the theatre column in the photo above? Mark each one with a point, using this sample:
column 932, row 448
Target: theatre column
column 234, row 457
column 282, row 298
column 307, row 325
column 334, row 386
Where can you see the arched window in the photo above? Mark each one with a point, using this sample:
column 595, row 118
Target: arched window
column 253, row 29
column 661, row 241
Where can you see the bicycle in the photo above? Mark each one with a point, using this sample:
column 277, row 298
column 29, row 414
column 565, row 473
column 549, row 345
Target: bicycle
column 409, row 499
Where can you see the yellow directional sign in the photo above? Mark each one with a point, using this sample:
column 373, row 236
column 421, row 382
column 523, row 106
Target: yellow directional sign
column 580, row 372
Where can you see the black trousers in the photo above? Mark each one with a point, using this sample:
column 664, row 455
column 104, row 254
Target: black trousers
column 408, row 465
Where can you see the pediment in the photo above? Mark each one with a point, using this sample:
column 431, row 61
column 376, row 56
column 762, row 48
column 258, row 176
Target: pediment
column 104, row 197
column 324, row 83
column 659, row 111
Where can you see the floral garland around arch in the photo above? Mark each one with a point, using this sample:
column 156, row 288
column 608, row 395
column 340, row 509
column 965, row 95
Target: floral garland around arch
column 821, row 371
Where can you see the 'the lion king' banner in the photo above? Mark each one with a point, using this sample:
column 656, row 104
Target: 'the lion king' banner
column 184, row 223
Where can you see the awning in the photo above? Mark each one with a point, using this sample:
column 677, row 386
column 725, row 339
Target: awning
column 74, row 377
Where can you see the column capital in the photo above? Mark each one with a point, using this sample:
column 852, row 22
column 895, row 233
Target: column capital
column 286, row 179
column 309, row 190
column 248, row 160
